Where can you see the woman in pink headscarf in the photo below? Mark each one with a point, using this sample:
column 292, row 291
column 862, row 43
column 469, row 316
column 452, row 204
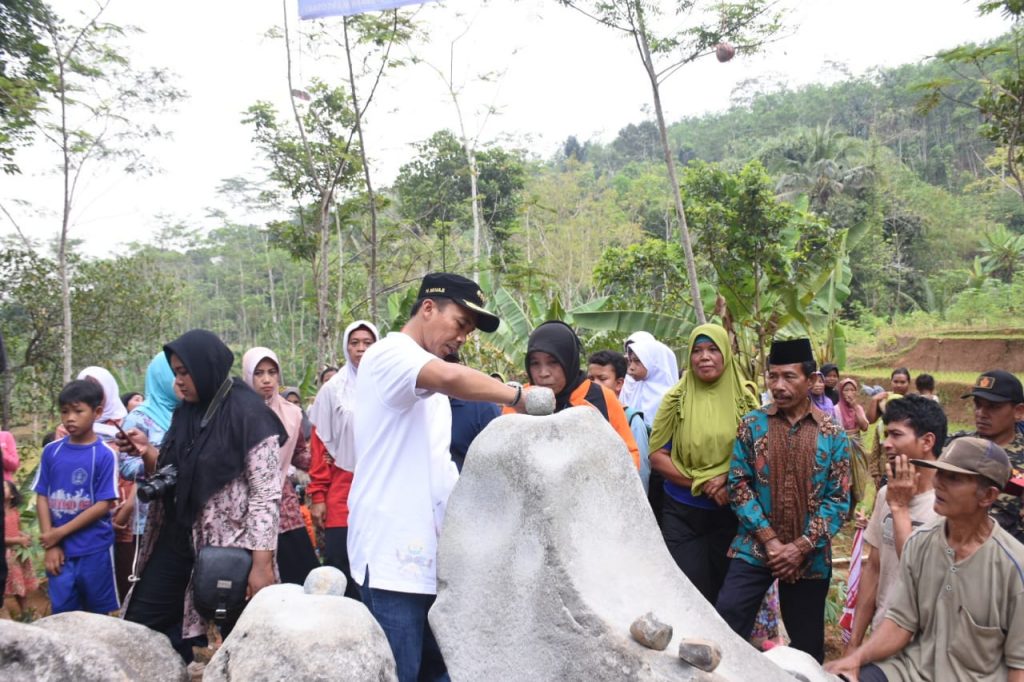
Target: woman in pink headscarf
column 10, row 453
column 295, row 555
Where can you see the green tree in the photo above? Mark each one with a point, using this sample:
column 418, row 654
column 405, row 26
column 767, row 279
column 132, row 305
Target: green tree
column 647, row 276
column 435, row 192
column 25, row 71
column 736, row 26
column 313, row 163
column 771, row 258
column 98, row 109
column 997, row 72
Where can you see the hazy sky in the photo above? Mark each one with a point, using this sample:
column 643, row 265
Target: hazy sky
column 562, row 75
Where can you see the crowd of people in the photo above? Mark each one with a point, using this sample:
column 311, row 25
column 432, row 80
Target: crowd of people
column 173, row 507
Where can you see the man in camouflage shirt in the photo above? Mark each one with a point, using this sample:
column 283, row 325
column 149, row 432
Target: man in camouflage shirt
column 998, row 406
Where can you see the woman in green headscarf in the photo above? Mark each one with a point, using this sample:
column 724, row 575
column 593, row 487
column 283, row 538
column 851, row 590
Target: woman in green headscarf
column 691, row 447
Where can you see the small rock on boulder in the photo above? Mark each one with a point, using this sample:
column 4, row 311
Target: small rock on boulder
column 143, row 654
column 325, row 580
column 700, row 653
column 286, row 634
column 651, row 632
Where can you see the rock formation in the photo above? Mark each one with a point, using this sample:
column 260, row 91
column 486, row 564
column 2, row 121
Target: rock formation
column 550, row 552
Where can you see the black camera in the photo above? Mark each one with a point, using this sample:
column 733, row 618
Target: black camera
column 157, row 485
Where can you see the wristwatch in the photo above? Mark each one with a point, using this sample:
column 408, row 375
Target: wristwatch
column 519, row 392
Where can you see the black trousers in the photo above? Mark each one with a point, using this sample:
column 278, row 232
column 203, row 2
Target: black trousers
column 802, row 604
column 698, row 540
column 336, row 554
column 295, row 556
column 158, row 599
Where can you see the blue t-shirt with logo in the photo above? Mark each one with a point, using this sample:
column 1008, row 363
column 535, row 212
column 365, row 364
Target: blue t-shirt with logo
column 73, row 478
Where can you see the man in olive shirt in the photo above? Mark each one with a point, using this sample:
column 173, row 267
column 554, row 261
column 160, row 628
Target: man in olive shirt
column 958, row 610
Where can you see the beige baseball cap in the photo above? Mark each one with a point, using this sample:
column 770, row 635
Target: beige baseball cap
column 970, row 455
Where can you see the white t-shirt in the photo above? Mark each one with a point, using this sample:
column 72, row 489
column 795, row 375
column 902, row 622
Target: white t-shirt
column 879, row 534
column 404, row 470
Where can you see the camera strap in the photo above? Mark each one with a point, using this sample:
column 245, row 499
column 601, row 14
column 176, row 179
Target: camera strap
column 222, row 393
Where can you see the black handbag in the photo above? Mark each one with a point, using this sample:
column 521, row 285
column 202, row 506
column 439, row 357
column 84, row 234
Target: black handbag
column 220, row 581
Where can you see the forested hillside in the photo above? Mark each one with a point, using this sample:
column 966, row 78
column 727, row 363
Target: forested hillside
column 813, row 210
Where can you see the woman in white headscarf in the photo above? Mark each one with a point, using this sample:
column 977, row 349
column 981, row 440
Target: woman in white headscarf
column 655, row 370
column 333, row 448
column 113, row 409
column 629, row 386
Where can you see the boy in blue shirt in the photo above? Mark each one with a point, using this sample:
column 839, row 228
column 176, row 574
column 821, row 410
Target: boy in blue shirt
column 608, row 368
column 76, row 489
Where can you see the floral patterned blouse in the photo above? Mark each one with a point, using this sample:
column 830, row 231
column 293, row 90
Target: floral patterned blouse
column 790, row 482
column 244, row 513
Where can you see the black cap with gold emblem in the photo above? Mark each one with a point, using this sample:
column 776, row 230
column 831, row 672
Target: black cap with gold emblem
column 999, row 386
column 463, row 291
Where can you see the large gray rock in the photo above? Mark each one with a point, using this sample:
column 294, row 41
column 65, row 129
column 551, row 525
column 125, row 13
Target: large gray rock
column 285, row 634
column 31, row 653
column 550, row 551
column 142, row 654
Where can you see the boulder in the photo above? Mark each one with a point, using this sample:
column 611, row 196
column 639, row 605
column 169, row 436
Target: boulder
column 800, row 665
column 28, row 652
column 285, row 633
column 549, row 552
column 143, row 654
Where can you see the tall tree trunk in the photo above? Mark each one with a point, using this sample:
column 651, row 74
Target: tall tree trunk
column 323, row 283
column 474, row 203
column 62, row 249
column 684, row 230
column 366, row 174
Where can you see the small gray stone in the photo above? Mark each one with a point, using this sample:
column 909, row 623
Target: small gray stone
column 700, row 653
column 325, row 580
column 651, row 632
column 540, row 401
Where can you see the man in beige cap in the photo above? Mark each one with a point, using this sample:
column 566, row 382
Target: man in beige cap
column 958, row 611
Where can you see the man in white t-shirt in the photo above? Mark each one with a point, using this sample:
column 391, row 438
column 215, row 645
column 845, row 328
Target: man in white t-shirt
column 404, row 471
column 915, row 429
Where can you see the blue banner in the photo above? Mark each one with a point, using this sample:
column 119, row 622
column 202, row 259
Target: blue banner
column 317, row 9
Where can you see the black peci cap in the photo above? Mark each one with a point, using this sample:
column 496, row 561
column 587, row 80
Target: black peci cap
column 999, row 386
column 463, row 291
column 790, row 352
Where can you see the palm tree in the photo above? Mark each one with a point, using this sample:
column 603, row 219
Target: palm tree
column 818, row 164
column 1002, row 251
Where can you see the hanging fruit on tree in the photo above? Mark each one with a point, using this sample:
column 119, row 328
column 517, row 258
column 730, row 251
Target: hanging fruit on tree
column 724, row 51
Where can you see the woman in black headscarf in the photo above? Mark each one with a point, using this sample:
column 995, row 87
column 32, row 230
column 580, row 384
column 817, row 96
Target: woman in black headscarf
column 553, row 360
column 223, row 442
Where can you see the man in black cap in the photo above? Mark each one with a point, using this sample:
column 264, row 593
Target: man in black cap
column 998, row 406
column 789, row 487
column 958, row 611
column 404, row 471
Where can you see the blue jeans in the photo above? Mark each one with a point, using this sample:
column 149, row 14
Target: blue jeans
column 403, row 617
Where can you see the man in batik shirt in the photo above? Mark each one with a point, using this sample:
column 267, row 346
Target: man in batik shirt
column 789, row 487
